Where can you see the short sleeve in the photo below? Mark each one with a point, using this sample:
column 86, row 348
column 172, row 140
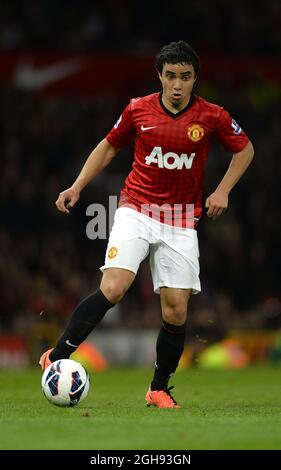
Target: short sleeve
column 123, row 130
column 229, row 133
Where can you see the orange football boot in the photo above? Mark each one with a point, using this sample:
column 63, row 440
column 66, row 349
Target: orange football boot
column 161, row 398
column 45, row 360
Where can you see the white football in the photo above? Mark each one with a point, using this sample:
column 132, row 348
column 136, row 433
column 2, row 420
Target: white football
column 65, row 383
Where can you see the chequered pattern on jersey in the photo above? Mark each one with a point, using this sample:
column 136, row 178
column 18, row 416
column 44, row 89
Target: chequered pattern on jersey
column 145, row 120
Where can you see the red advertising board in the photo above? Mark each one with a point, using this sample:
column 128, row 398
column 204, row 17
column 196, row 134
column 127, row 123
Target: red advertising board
column 13, row 351
column 89, row 75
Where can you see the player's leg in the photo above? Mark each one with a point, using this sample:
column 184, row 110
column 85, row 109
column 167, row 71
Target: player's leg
column 170, row 344
column 90, row 311
column 175, row 273
column 171, row 338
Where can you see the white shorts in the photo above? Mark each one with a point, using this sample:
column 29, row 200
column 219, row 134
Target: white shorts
column 173, row 252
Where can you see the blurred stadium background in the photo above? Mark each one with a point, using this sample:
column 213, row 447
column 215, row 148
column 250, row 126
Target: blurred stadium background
column 67, row 70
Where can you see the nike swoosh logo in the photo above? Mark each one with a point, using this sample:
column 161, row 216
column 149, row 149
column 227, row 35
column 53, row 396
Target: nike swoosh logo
column 28, row 77
column 147, row 128
column 70, row 344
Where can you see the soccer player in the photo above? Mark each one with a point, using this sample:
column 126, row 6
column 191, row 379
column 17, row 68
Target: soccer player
column 159, row 207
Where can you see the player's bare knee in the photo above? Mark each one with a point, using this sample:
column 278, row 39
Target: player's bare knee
column 113, row 294
column 175, row 315
column 113, row 290
column 115, row 285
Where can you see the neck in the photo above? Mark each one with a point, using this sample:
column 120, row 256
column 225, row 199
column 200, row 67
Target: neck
column 175, row 108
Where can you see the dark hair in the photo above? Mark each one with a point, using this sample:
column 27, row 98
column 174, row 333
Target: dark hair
column 177, row 53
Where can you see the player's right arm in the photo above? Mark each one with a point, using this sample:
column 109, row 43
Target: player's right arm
column 98, row 159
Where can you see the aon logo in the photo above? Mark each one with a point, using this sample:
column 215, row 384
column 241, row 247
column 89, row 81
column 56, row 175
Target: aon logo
column 169, row 160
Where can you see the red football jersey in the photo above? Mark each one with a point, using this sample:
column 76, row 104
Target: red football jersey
column 171, row 152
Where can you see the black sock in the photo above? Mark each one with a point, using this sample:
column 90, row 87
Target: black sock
column 84, row 319
column 169, row 348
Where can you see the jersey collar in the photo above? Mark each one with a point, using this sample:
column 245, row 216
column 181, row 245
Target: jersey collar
column 190, row 103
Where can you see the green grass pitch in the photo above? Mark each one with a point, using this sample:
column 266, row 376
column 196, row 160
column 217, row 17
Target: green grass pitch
column 220, row 410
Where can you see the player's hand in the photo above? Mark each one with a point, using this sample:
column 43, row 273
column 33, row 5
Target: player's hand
column 67, row 199
column 216, row 204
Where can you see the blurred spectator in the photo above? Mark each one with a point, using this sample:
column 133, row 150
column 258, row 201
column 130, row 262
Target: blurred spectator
column 70, row 25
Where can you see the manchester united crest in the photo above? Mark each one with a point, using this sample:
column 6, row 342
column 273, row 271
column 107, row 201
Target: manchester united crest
column 195, row 132
column 112, row 252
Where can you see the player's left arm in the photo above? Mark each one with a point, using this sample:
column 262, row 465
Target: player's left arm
column 217, row 202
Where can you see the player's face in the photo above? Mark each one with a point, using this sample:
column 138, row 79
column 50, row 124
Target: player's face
column 177, row 82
